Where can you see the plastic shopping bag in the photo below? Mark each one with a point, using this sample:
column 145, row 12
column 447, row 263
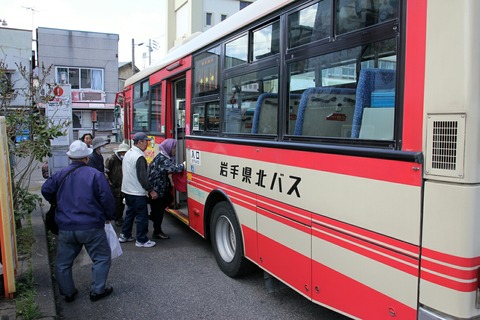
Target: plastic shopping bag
column 113, row 241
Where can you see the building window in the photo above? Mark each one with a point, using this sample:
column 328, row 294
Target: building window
column 223, row 17
column 208, row 19
column 80, row 78
column 244, row 4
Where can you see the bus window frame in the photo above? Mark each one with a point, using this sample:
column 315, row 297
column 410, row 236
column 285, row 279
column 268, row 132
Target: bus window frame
column 151, row 107
column 383, row 31
column 143, row 98
column 375, row 33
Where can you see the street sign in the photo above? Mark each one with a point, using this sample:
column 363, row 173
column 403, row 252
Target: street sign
column 58, row 91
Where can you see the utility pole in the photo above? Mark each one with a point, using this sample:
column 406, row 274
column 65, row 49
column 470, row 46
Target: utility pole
column 133, row 56
column 149, row 52
column 152, row 45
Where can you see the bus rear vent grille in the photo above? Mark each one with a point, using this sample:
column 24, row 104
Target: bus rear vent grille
column 445, row 145
column 444, row 151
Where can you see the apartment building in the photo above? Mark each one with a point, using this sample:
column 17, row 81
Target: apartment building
column 88, row 61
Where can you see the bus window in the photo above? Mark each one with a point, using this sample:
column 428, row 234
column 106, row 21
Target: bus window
column 353, row 14
column 140, row 90
column 266, row 41
column 332, row 103
column 140, row 106
column 140, row 116
column 242, row 101
column 206, row 72
column 309, row 24
column 236, row 52
column 179, row 100
column 156, row 109
column 206, row 117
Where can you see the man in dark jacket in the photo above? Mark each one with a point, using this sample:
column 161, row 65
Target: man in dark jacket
column 84, row 204
column 113, row 172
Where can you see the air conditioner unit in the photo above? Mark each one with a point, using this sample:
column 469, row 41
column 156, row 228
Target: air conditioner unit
column 88, row 96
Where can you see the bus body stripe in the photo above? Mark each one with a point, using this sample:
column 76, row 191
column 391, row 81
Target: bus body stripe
column 370, row 168
column 379, row 239
column 387, row 257
column 445, row 270
column 330, row 286
column 449, row 283
column 351, row 297
column 451, row 259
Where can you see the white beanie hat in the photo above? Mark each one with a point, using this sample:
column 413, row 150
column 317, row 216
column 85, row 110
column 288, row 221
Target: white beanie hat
column 78, row 150
column 123, row 147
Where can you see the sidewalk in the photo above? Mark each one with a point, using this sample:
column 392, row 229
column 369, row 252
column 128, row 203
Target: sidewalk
column 45, row 298
column 42, row 275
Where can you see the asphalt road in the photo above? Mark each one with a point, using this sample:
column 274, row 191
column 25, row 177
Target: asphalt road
column 179, row 279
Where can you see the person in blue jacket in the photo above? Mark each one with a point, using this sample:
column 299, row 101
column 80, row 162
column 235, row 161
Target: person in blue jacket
column 84, row 204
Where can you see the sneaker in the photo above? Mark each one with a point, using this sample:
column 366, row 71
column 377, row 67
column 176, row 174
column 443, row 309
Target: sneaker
column 160, row 236
column 97, row 296
column 147, row 244
column 123, row 239
column 71, row 297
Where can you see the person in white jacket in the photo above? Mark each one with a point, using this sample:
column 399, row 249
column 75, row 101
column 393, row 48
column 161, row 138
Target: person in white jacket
column 137, row 188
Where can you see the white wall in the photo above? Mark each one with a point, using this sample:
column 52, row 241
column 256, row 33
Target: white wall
column 16, row 48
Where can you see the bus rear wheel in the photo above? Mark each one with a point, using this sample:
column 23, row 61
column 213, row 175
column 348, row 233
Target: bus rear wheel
column 227, row 241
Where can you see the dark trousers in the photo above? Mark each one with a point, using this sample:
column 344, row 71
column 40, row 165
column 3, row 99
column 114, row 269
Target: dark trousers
column 137, row 211
column 157, row 207
column 119, row 208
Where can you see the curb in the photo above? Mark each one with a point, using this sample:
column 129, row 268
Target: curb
column 45, row 297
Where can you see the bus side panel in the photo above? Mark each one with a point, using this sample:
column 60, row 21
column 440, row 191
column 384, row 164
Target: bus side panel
column 367, row 229
column 358, row 216
column 243, row 202
column 385, row 280
column 354, row 298
column 451, row 254
column 284, row 248
column 196, row 209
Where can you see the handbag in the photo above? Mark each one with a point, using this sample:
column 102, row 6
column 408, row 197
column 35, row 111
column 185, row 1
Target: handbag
column 113, row 242
column 50, row 222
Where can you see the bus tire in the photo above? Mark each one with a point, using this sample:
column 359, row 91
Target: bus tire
column 227, row 243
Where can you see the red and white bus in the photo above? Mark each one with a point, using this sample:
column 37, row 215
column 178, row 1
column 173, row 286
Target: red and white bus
column 333, row 144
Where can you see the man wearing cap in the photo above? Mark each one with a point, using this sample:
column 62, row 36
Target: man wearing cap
column 113, row 172
column 137, row 188
column 84, row 204
column 96, row 158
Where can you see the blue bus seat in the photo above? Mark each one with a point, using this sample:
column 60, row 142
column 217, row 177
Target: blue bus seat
column 369, row 81
column 325, row 112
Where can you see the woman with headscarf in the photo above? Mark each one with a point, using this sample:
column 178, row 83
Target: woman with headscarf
column 158, row 174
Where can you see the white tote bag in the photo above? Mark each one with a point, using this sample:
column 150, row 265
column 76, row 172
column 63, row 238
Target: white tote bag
column 113, row 241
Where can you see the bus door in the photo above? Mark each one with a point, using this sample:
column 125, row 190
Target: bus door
column 177, row 112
